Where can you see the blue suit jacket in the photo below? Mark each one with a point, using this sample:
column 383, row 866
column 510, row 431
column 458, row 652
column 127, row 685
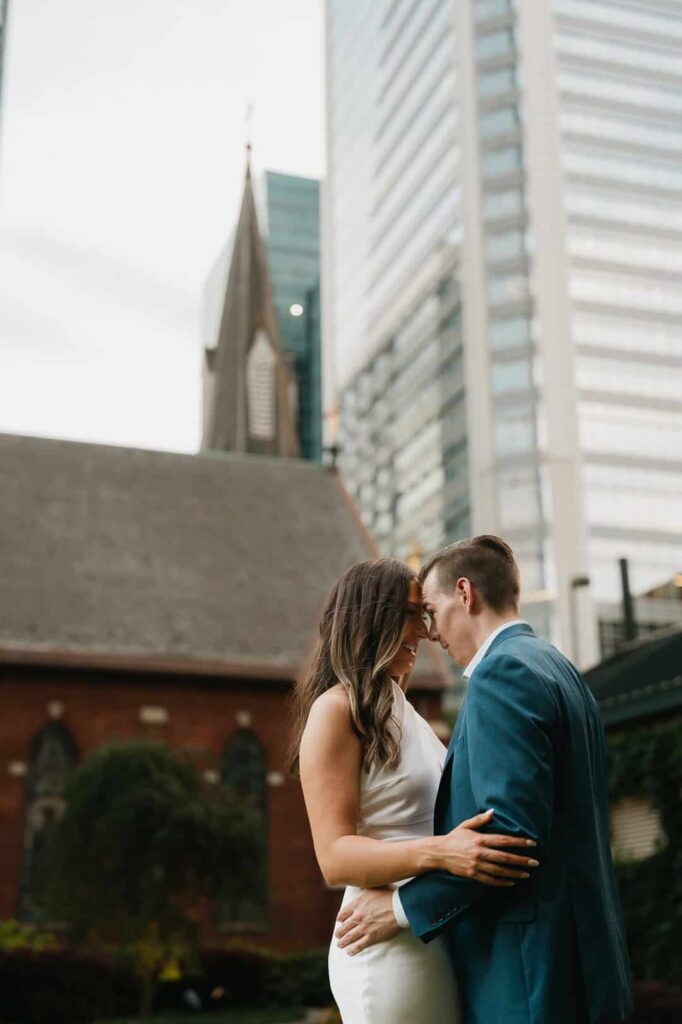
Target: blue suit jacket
column 529, row 743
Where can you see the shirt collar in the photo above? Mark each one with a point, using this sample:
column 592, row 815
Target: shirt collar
column 482, row 650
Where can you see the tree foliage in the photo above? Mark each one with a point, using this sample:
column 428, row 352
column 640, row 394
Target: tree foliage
column 648, row 763
column 143, row 846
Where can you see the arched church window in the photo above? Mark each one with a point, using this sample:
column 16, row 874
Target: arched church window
column 53, row 755
column 261, row 371
column 244, row 771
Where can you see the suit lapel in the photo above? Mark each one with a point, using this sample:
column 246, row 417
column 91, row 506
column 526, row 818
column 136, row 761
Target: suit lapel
column 444, row 784
column 522, row 629
column 455, row 735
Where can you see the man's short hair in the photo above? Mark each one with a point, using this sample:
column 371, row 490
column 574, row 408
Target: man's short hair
column 487, row 561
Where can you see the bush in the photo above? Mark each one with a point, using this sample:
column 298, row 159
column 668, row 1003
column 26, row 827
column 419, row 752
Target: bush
column 648, row 763
column 301, row 979
column 241, row 975
column 656, row 1003
column 15, row 935
column 235, row 975
column 67, row 986
column 61, row 987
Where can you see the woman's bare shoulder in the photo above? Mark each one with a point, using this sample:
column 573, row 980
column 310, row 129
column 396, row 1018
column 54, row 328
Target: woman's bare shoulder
column 332, row 705
column 329, row 719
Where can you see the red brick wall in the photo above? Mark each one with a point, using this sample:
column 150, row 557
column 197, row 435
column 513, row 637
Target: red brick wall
column 104, row 706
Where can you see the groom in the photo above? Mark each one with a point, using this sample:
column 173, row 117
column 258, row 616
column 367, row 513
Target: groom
column 529, row 744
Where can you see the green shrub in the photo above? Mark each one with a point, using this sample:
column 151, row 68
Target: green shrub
column 15, row 935
column 61, row 987
column 301, row 979
column 648, row 763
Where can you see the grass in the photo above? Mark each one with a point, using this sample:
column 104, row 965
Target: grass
column 225, row 1017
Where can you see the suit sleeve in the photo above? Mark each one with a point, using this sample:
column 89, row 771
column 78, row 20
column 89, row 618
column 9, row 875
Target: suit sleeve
column 510, row 726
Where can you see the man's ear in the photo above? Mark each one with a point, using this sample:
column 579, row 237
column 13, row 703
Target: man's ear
column 465, row 591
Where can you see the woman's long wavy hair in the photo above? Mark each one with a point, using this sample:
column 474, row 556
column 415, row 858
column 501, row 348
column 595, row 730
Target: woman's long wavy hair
column 360, row 634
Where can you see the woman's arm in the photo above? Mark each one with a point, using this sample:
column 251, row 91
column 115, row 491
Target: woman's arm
column 330, row 764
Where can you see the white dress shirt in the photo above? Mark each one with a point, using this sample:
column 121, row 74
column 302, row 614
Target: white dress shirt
column 400, row 915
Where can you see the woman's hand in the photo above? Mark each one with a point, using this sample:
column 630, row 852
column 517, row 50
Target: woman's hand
column 478, row 855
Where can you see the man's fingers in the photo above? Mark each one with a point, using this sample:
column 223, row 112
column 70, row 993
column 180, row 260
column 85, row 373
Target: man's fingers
column 344, row 928
column 478, row 820
column 357, row 948
column 346, row 911
column 506, row 841
column 353, row 936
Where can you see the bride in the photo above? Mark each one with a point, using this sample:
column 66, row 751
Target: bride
column 370, row 768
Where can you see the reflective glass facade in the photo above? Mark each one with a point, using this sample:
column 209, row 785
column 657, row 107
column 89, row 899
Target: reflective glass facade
column 292, row 226
column 353, row 38
column 619, row 81
column 403, row 431
column 506, row 231
column 392, row 323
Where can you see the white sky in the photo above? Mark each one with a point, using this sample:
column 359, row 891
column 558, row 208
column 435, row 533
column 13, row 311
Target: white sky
column 123, row 131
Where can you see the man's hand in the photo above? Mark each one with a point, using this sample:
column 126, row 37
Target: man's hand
column 367, row 920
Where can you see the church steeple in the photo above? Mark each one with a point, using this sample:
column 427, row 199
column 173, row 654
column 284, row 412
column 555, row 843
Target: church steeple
column 249, row 389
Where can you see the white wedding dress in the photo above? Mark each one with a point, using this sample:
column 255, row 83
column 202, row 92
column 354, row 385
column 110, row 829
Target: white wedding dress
column 402, row 981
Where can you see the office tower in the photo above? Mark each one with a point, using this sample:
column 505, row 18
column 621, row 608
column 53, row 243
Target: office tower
column 291, row 223
column 390, row 285
column 530, row 150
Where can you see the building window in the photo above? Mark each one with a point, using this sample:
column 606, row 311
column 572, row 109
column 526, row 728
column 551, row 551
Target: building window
column 500, row 162
column 53, row 756
column 244, row 772
column 260, row 382
column 511, row 375
column 495, row 44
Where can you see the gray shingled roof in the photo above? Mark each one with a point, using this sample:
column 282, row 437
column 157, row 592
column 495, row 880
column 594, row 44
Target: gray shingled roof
column 643, row 678
column 195, row 560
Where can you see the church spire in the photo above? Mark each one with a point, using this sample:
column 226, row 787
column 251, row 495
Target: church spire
column 249, row 388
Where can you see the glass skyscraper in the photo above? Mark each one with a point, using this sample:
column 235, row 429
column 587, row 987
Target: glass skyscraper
column 520, row 157
column 392, row 313
column 291, row 223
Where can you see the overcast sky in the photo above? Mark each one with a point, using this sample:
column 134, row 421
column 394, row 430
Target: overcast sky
column 123, row 133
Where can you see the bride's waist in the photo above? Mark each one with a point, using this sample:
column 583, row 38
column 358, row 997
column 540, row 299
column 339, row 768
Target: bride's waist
column 351, row 892
column 396, row 833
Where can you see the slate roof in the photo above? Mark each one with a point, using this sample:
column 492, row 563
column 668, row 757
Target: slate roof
column 642, row 679
column 215, row 562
